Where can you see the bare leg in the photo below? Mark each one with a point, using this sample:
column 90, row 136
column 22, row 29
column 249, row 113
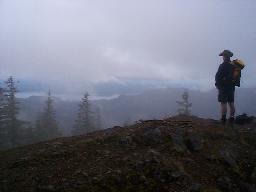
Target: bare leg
column 223, row 109
column 223, row 112
column 232, row 110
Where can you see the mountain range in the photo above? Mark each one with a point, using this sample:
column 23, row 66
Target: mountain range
column 150, row 104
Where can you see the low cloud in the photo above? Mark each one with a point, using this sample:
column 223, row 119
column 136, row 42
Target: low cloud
column 67, row 42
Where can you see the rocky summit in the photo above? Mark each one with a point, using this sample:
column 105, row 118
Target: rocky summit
column 173, row 154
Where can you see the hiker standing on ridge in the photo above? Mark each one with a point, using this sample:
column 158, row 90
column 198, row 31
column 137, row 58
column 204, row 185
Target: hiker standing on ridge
column 226, row 87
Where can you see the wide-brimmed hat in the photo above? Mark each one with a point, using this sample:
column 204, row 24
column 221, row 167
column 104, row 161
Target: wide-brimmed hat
column 226, row 53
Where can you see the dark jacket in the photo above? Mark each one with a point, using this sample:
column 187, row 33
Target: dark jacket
column 224, row 76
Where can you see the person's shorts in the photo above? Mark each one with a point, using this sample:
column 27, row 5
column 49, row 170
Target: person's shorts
column 226, row 95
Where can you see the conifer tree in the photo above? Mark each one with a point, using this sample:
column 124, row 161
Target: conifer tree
column 83, row 123
column 3, row 130
column 184, row 105
column 9, row 112
column 46, row 125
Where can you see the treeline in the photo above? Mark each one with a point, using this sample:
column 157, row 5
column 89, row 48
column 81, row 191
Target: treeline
column 15, row 132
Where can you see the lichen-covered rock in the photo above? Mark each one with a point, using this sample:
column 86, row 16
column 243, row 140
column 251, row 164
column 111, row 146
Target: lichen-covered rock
column 153, row 136
column 178, row 141
column 126, row 140
column 194, row 142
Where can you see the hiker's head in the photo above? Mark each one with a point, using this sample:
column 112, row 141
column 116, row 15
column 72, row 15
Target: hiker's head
column 226, row 54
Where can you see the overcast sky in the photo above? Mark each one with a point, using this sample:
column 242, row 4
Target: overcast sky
column 70, row 41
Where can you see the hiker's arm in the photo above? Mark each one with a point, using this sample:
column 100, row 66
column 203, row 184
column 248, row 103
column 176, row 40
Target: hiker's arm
column 218, row 76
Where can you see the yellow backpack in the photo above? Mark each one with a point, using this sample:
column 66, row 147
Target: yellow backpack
column 238, row 67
